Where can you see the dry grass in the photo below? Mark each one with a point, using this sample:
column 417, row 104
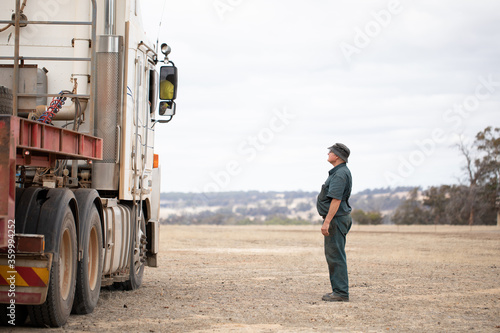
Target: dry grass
column 271, row 279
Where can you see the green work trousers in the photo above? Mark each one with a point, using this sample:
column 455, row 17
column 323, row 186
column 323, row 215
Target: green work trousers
column 335, row 254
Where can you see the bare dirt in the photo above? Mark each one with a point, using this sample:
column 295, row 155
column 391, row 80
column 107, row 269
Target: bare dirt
column 271, row 279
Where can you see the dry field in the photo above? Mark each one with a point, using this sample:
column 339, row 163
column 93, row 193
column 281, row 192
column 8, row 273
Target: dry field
column 271, row 279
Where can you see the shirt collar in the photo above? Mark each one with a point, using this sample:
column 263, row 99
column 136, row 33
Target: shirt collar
column 334, row 169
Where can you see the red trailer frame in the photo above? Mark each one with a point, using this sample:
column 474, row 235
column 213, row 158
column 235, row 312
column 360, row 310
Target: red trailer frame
column 32, row 143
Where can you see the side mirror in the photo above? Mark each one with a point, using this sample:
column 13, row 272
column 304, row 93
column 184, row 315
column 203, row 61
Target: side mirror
column 168, row 83
column 167, row 108
column 167, row 88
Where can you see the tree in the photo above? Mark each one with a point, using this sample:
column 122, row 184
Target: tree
column 374, row 217
column 488, row 143
column 473, row 173
column 437, row 198
column 447, row 204
column 362, row 217
column 483, row 173
column 411, row 211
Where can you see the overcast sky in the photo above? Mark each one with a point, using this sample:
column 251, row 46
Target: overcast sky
column 266, row 86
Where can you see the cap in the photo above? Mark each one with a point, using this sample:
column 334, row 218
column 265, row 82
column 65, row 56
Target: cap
column 341, row 151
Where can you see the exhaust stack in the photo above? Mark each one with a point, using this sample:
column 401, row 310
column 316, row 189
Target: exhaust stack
column 110, row 19
column 106, row 173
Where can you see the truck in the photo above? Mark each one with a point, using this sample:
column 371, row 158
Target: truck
column 81, row 90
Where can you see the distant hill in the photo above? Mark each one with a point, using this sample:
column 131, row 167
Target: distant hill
column 384, row 200
column 230, row 198
column 246, row 207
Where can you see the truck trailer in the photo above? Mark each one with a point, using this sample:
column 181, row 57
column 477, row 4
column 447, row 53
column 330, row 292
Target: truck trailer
column 79, row 179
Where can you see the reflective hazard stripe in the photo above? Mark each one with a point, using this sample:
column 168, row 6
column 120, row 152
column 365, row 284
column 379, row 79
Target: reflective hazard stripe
column 24, row 276
column 3, row 282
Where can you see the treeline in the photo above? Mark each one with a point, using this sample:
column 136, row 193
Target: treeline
column 384, row 190
column 475, row 202
column 225, row 199
column 229, row 218
column 272, row 210
column 381, row 199
column 371, row 217
column 378, row 200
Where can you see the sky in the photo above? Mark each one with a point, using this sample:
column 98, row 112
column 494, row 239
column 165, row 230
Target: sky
column 265, row 87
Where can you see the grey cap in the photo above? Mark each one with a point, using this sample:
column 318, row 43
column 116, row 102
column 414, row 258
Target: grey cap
column 341, row 151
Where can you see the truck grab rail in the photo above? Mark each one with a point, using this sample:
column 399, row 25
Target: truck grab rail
column 17, row 57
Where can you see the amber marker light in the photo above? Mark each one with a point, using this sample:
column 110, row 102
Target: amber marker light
column 156, row 160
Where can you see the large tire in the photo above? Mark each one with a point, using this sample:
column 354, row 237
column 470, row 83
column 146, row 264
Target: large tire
column 137, row 256
column 88, row 280
column 57, row 307
column 5, row 100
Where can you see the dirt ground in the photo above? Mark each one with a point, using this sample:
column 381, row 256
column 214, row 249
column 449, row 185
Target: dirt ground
column 271, row 279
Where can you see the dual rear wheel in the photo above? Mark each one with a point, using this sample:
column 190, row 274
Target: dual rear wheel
column 88, row 279
column 74, row 286
column 61, row 293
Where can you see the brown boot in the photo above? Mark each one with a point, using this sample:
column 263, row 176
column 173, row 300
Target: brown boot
column 334, row 298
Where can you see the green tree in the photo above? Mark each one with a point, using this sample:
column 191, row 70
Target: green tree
column 362, row 217
column 488, row 144
column 359, row 216
column 447, row 204
column 374, row 217
column 437, row 199
column 411, row 211
column 482, row 171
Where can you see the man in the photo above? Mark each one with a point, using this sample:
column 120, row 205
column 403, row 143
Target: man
column 166, row 90
column 333, row 206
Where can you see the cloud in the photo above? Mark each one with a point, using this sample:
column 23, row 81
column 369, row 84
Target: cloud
column 266, row 55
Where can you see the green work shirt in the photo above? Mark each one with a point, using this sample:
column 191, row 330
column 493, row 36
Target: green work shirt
column 338, row 185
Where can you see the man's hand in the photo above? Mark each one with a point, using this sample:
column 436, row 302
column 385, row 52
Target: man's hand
column 325, row 227
column 334, row 206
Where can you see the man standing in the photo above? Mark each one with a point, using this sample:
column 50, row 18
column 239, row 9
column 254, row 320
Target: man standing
column 333, row 206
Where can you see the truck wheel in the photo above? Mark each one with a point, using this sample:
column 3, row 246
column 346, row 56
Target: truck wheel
column 88, row 280
column 60, row 295
column 5, row 100
column 137, row 257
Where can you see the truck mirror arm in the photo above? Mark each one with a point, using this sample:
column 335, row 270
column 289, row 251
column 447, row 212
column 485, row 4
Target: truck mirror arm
column 163, row 121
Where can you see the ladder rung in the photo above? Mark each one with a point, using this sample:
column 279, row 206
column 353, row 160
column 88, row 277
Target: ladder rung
column 53, row 95
column 48, row 22
column 47, row 58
